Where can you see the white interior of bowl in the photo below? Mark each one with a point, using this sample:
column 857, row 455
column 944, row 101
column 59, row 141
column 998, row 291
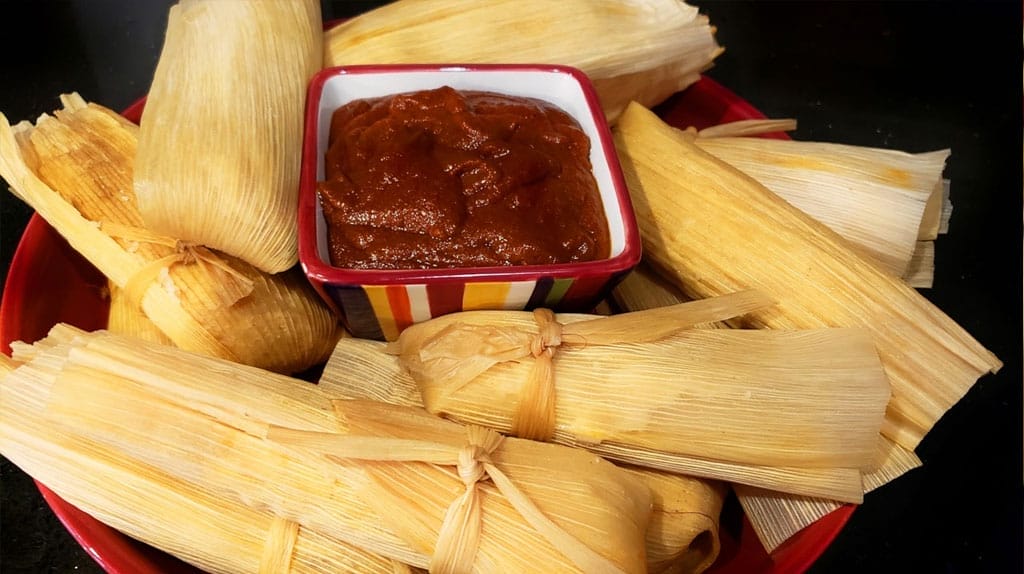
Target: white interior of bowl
column 555, row 87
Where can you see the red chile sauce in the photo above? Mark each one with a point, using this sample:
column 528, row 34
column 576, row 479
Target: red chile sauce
column 447, row 178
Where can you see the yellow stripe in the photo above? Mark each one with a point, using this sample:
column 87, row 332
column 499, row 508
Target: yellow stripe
column 484, row 296
column 378, row 297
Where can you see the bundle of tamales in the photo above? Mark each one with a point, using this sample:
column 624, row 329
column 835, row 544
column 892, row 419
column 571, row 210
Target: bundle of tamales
column 643, row 50
column 682, row 536
column 75, row 169
column 707, row 228
column 743, row 406
column 391, row 481
column 888, row 204
column 775, row 516
column 219, row 148
column 710, row 230
column 158, row 508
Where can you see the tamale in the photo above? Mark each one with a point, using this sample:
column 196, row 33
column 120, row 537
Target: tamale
column 221, row 135
column 373, row 475
column 683, row 530
column 873, row 197
column 710, row 229
column 176, row 516
column 643, row 50
column 683, row 534
column 355, row 362
column 775, row 516
column 810, row 399
column 75, row 169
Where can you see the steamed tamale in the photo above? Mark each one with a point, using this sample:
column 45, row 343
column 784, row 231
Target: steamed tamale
column 775, row 516
column 644, row 50
column 75, row 169
column 221, row 135
column 810, row 398
column 711, row 229
column 376, row 476
column 875, row 198
column 174, row 515
column 355, row 362
column 683, row 531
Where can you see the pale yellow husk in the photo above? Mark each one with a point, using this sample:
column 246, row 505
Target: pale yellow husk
column 921, row 269
column 775, row 516
column 643, row 50
column 221, row 135
column 875, row 198
column 683, row 532
column 232, row 429
column 127, row 318
column 75, row 169
column 711, row 229
column 180, row 517
column 810, row 399
column 361, row 367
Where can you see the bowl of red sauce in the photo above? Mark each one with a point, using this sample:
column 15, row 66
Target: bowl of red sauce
column 427, row 190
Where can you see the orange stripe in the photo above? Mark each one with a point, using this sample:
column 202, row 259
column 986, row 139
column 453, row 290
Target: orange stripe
column 401, row 310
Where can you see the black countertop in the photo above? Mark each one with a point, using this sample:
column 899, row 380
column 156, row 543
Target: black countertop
column 913, row 76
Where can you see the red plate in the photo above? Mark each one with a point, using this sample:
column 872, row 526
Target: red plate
column 49, row 283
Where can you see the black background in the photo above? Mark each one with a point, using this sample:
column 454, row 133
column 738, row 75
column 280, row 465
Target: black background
column 914, row 76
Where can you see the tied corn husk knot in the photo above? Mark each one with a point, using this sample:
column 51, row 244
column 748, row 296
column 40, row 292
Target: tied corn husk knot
column 372, row 478
column 460, row 532
column 218, row 150
column 461, row 351
column 683, row 532
column 457, row 542
column 75, row 169
column 535, row 418
column 185, row 253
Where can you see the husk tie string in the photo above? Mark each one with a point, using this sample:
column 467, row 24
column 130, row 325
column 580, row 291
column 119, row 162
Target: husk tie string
column 459, row 535
column 184, row 253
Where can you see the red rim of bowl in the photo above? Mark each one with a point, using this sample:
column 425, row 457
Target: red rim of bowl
column 118, row 554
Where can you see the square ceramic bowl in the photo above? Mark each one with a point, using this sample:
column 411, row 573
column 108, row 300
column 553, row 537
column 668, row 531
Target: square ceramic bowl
column 378, row 304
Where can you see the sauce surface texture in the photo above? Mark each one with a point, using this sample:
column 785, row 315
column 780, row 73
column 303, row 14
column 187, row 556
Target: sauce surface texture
column 449, row 178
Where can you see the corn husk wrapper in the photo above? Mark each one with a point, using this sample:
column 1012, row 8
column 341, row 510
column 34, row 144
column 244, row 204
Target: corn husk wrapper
column 710, row 229
column 157, row 508
column 127, row 318
column 75, row 169
column 361, row 364
column 221, row 135
column 644, row 289
column 683, row 532
column 616, row 379
column 643, row 50
column 683, row 535
column 379, row 477
column 921, row 269
column 775, row 516
column 875, row 198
